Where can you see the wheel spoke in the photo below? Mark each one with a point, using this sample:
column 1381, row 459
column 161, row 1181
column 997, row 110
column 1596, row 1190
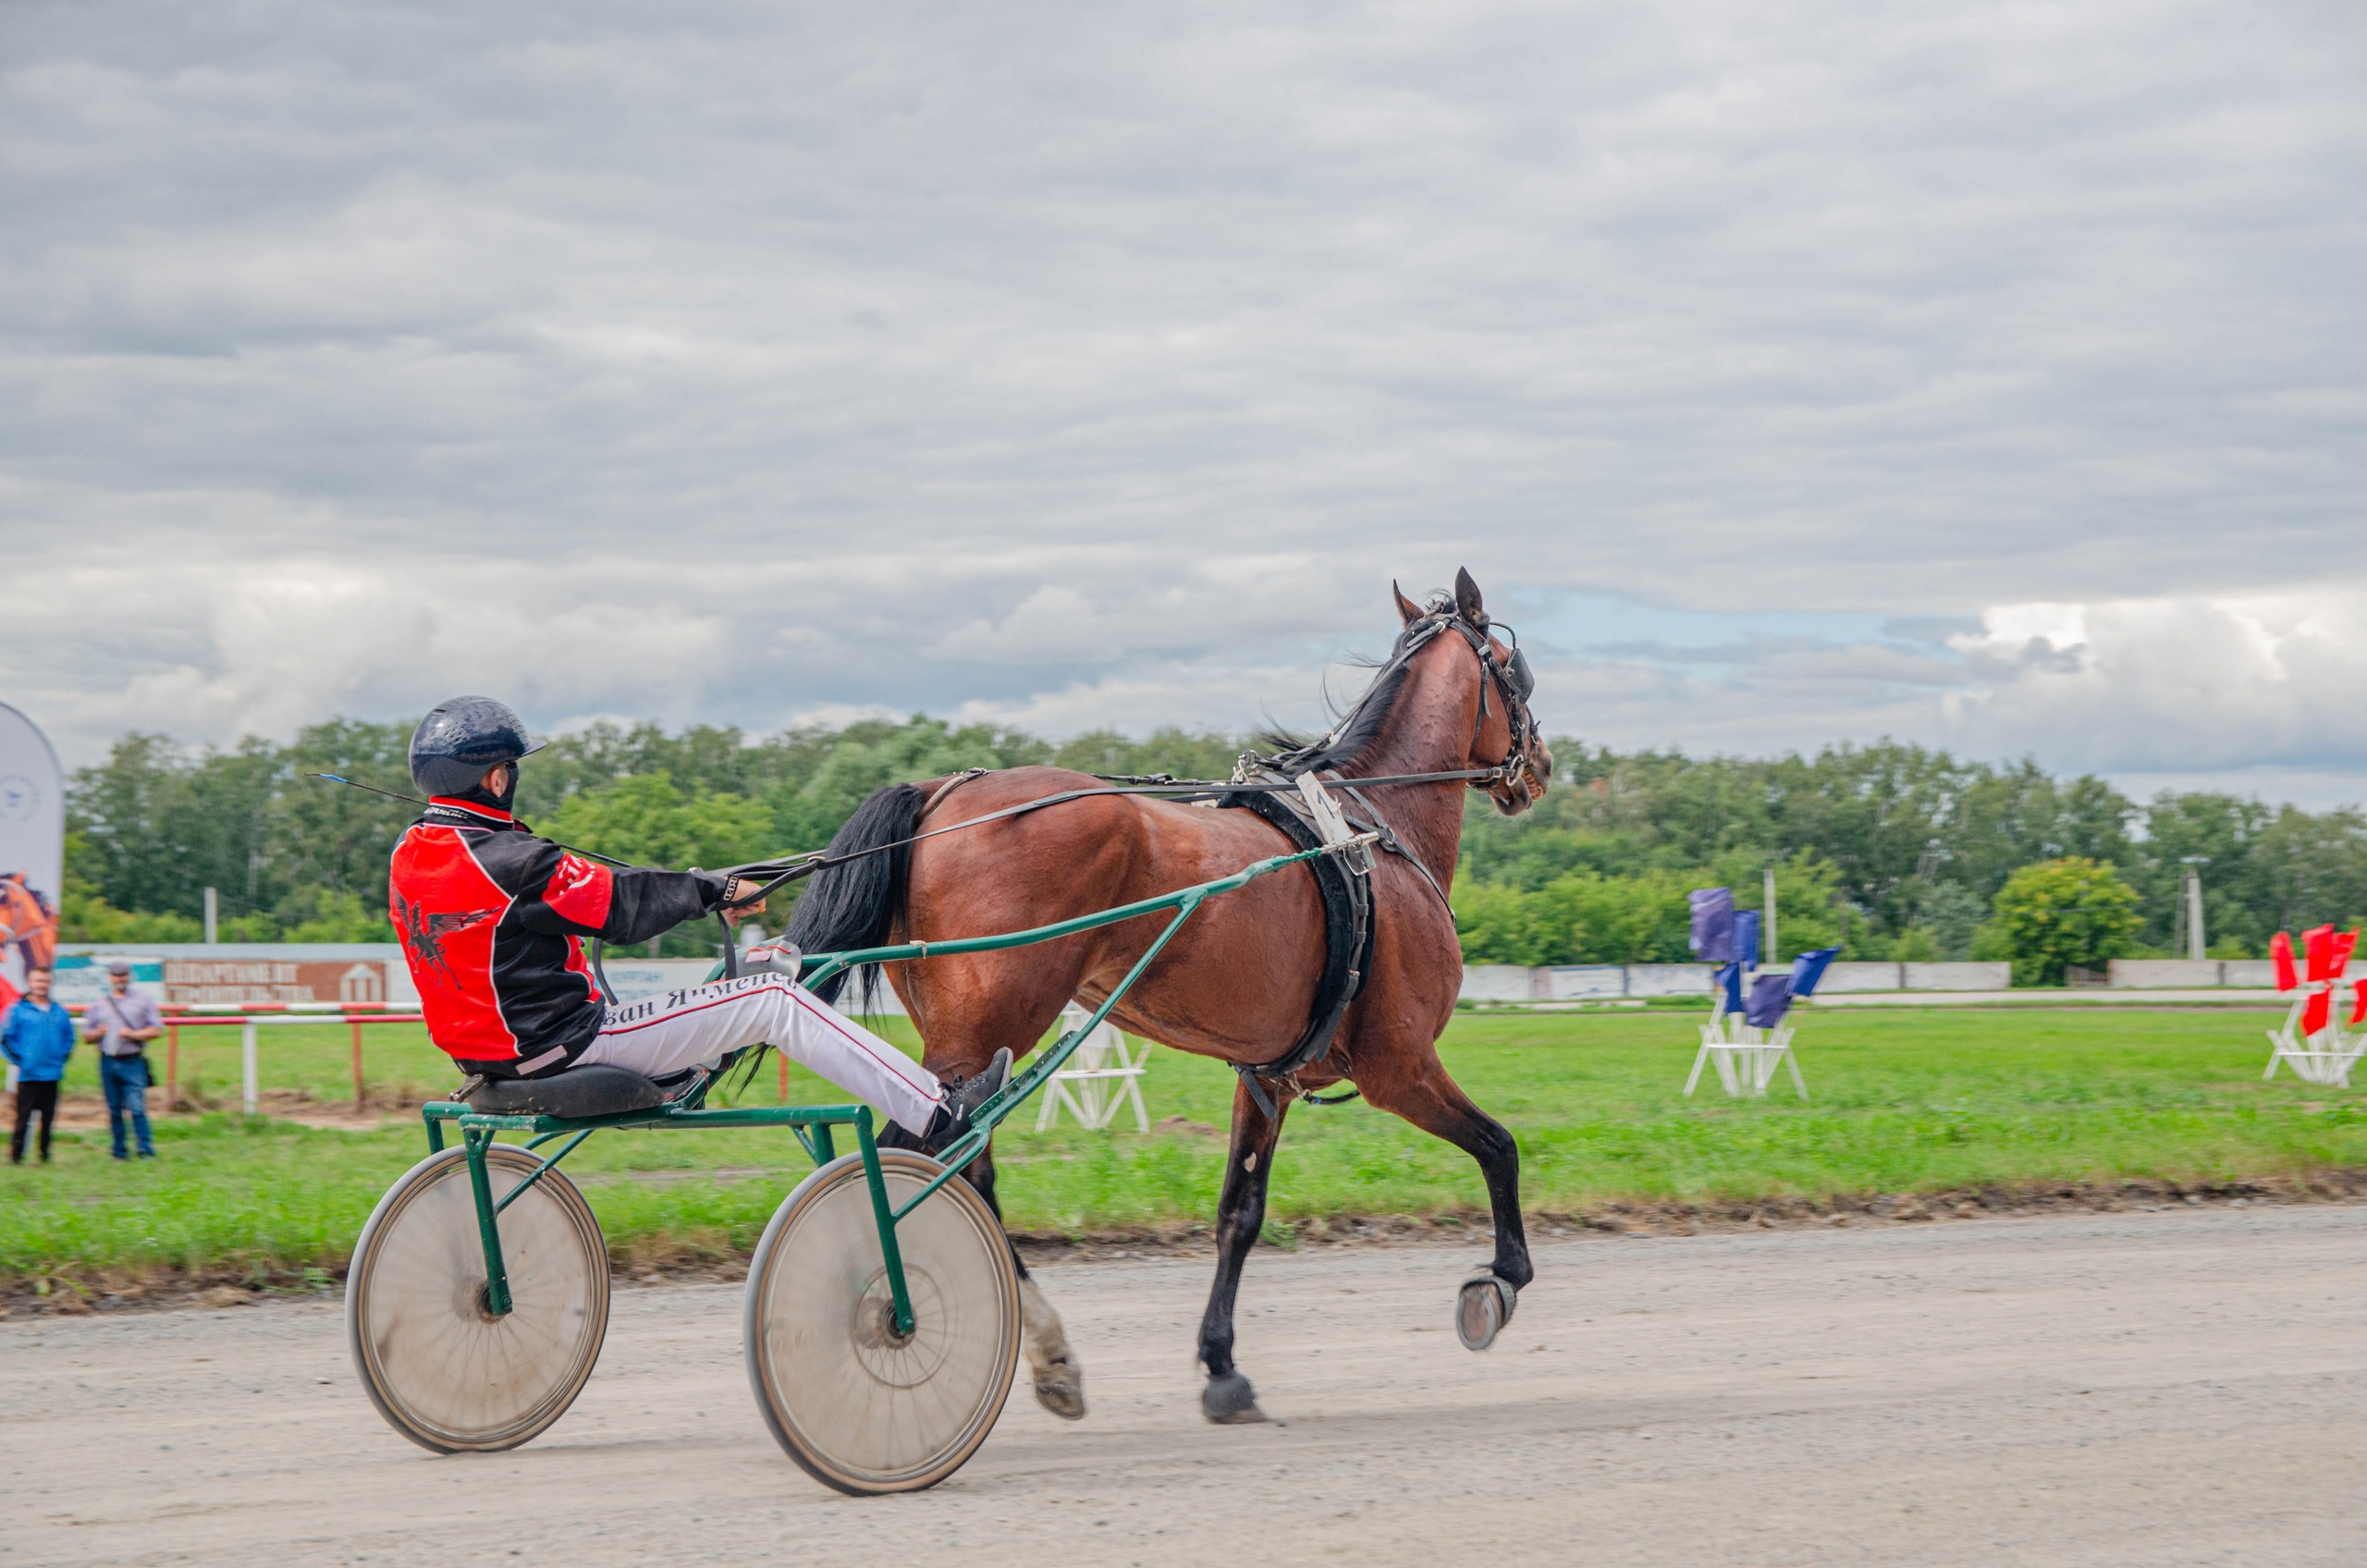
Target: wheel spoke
column 442, row 1371
column 858, row 1407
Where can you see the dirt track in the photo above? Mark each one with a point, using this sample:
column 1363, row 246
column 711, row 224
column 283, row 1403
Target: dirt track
column 2174, row 1387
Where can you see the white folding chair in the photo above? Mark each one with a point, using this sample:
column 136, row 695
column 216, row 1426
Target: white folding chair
column 1101, row 1079
column 1745, row 1059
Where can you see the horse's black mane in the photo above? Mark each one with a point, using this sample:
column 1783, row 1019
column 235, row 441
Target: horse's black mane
column 1344, row 747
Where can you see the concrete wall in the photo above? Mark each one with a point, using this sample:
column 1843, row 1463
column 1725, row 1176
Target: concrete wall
column 1955, row 976
column 1584, row 982
column 1499, row 981
column 2160, row 974
column 1590, row 982
column 1669, row 979
column 1840, row 978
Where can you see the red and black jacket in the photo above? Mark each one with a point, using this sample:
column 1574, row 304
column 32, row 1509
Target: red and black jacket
column 492, row 920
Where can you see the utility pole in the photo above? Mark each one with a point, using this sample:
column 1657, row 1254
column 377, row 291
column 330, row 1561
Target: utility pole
column 1767, row 906
column 212, row 910
column 2192, row 894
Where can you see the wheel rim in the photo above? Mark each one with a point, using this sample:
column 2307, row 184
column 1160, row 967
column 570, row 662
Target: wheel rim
column 863, row 1408
column 446, row 1371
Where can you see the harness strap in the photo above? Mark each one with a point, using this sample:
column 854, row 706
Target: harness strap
column 1389, row 841
column 781, row 873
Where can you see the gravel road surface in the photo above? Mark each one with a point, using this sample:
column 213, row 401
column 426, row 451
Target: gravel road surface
column 2181, row 1387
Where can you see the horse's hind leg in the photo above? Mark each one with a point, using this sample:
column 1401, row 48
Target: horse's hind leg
column 1051, row 1365
column 1241, row 1215
column 960, row 1040
column 1433, row 1102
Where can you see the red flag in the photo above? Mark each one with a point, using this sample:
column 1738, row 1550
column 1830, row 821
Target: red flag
column 2318, row 942
column 2280, row 947
column 2359, row 1012
column 2343, row 947
column 2315, row 1012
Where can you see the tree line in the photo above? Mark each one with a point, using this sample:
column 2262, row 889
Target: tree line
column 1886, row 851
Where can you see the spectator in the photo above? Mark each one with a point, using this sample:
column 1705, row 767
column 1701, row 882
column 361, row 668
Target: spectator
column 37, row 1037
column 123, row 1022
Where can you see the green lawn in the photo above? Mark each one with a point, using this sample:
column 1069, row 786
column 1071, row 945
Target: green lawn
column 1907, row 1101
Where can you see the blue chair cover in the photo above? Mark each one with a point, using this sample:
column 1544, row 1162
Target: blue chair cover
column 1730, row 977
column 1713, row 924
column 1771, row 998
column 1808, row 968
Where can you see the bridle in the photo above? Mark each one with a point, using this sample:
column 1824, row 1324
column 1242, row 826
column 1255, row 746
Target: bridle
column 1512, row 677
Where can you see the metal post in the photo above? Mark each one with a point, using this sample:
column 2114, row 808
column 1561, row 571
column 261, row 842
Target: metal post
column 2194, row 940
column 212, row 908
column 1767, row 908
column 360, row 1097
column 2191, row 904
column 172, row 1067
column 247, row 1055
column 784, row 1075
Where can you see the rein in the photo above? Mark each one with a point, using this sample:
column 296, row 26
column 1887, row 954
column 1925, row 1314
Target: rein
column 783, row 870
column 1511, row 678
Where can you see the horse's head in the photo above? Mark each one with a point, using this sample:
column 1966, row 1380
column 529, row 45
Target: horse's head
column 1504, row 736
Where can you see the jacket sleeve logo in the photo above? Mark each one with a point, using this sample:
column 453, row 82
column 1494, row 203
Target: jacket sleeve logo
column 424, row 932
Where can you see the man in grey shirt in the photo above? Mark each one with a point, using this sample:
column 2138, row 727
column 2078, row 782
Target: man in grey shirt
column 123, row 1022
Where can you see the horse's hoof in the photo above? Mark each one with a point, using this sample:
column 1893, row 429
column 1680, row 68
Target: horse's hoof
column 1483, row 1308
column 1060, row 1388
column 1230, row 1401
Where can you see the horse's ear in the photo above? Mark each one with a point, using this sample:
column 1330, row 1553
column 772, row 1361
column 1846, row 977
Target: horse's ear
column 1466, row 598
column 1406, row 610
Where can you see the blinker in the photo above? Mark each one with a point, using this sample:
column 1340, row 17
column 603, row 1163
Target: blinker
column 1518, row 676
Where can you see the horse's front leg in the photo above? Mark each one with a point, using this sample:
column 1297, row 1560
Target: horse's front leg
column 1435, row 1103
column 1241, row 1215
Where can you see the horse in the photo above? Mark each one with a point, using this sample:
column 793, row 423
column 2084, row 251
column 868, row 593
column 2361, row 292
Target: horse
column 28, row 920
column 1239, row 979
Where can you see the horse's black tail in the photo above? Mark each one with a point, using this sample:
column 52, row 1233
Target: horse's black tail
column 857, row 904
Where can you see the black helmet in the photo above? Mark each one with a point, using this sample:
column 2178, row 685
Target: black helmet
column 460, row 738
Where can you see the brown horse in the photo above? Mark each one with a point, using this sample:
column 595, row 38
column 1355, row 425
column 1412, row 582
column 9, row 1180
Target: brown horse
column 1238, row 980
column 26, row 920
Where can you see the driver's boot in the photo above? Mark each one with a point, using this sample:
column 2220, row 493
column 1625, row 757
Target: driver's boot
column 961, row 1101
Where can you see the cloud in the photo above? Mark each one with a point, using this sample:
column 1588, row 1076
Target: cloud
column 2174, row 685
column 1086, row 365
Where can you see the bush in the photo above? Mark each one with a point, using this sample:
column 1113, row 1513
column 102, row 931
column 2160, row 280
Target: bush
column 1587, row 917
column 2059, row 913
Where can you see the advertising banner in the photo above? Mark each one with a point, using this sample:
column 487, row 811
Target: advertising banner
column 33, row 848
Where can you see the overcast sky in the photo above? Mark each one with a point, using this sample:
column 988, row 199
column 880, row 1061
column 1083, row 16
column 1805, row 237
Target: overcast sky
column 1986, row 374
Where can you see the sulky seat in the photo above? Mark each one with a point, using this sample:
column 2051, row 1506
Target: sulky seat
column 575, row 1092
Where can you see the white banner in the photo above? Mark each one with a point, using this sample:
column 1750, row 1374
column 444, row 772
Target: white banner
column 32, row 845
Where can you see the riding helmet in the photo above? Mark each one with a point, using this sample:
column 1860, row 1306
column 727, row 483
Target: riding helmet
column 460, row 738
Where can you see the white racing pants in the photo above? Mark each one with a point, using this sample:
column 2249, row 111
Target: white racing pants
column 685, row 1029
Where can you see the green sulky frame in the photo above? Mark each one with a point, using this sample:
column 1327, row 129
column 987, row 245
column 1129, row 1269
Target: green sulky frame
column 813, row 1124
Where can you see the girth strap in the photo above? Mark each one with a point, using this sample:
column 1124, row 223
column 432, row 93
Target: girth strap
column 1347, row 939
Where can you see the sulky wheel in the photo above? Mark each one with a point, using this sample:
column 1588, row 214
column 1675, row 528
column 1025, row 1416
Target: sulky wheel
column 443, row 1370
column 859, row 1407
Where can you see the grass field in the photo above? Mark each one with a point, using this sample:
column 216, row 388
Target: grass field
column 1907, row 1101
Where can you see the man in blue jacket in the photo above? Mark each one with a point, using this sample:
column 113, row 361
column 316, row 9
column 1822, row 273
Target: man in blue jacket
column 37, row 1037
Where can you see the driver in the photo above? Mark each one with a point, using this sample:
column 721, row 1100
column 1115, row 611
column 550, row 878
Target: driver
column 492, row 920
